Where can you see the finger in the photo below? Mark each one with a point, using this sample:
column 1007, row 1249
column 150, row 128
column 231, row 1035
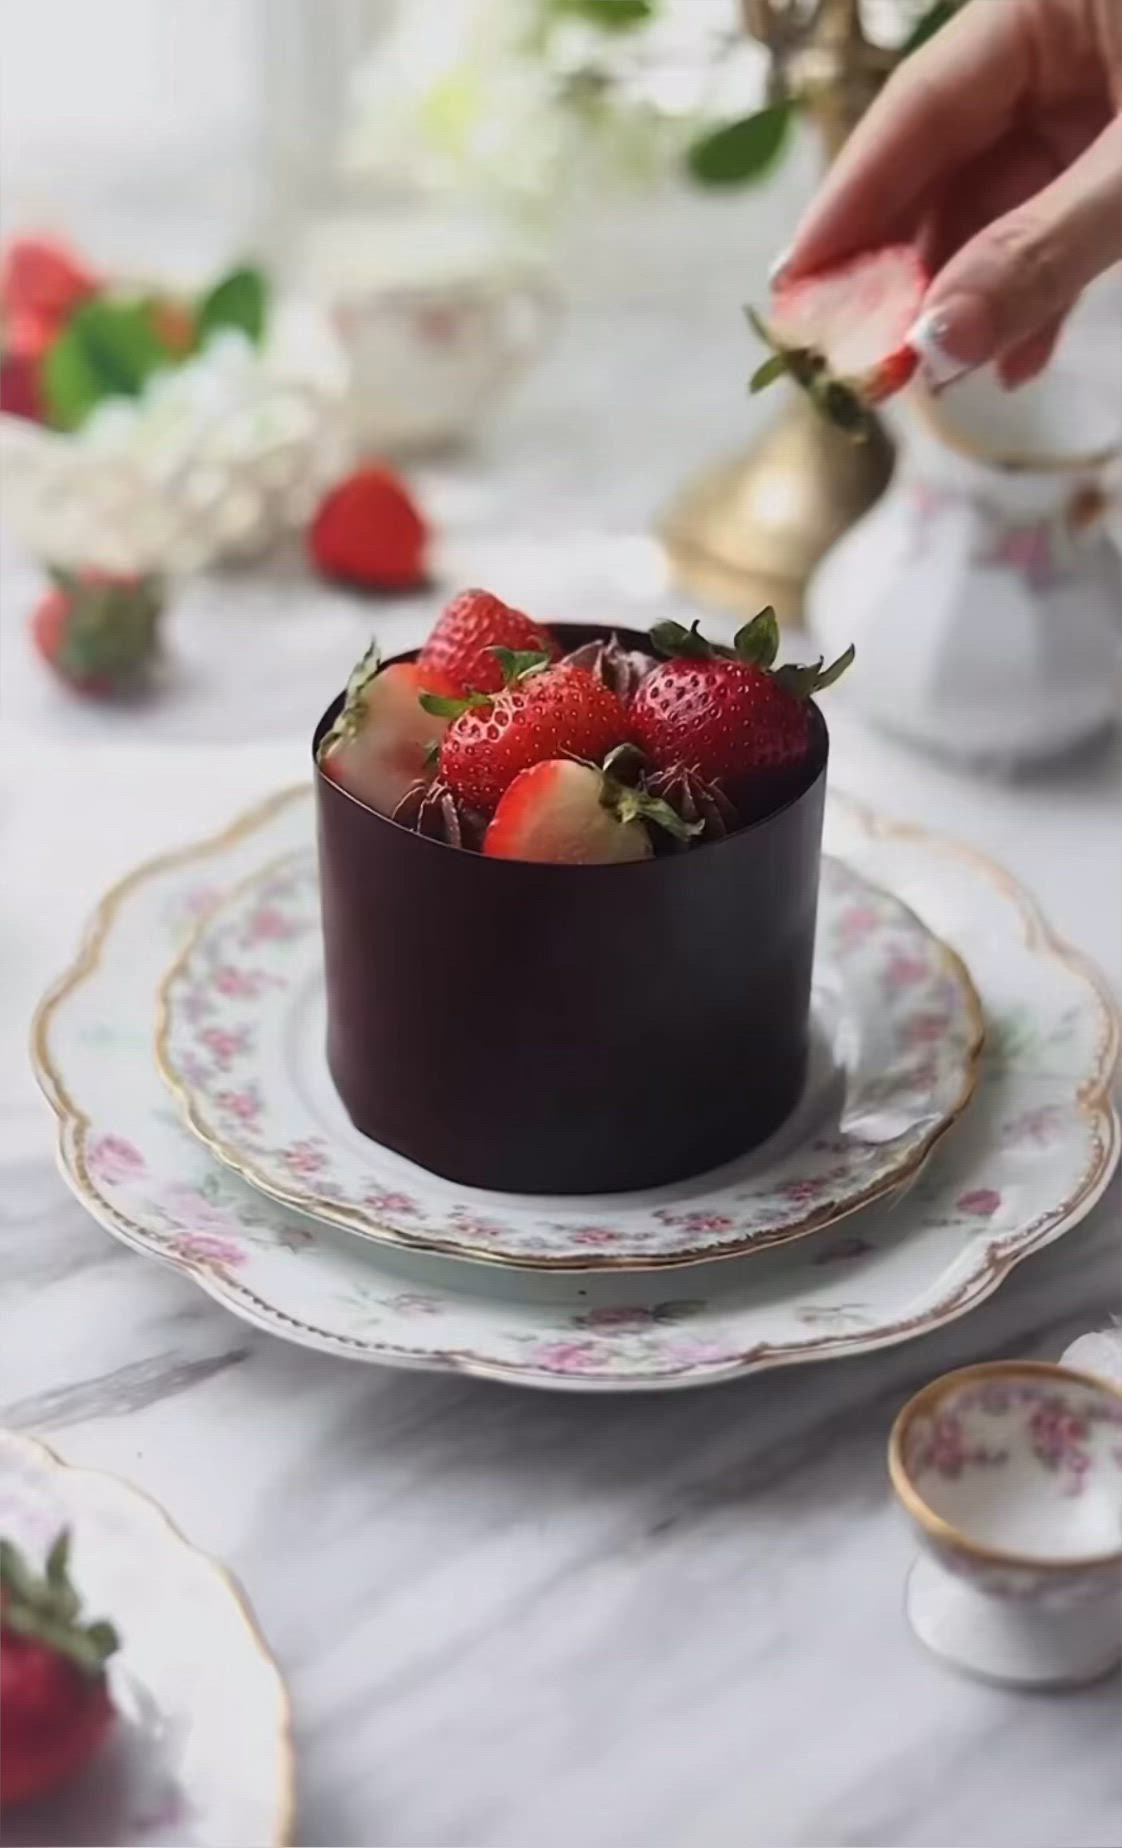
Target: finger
column 1023, row 271
column 1023, row 362
column 942, row 106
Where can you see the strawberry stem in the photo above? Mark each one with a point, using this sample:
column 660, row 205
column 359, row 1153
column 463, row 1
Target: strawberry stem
column 46, row 1609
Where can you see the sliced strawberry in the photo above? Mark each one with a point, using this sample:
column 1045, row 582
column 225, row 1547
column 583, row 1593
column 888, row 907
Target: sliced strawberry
column 55, row 1707
column 383, row 740
column 544, row 712
column 842, row 333
column 472, row 626
column 370, row 532
column 575, row 815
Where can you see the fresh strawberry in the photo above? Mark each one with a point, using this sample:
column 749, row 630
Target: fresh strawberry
column 572, row 813
column 21, row 394
column 42, row 281
column 842, row 333
column 55, row 1708
column 726, row 713
column 473, row 625
column 542, row 712
column 383, row 740
column 369, row 532
column 97, row 631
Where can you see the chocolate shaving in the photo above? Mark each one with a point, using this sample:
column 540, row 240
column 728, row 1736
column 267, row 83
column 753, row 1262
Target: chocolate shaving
column 434, row 810
column 622, row 669
column 694, row 799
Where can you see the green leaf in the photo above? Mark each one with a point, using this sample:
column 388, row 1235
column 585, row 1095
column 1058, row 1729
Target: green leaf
column 58, row 1560
column 610, row 15
column 518, row 663
column 107, row 349
column 238, row 300
column 670, row 638
column 740, row 151
column 836, row 669
column 760, row 328
column 927, row 25
column 801, row 682
column 758, row 640
column 774, row 368
column 15, row 1574
column 451, row 708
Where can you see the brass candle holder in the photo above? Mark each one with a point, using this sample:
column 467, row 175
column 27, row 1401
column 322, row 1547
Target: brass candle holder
column 751, row 529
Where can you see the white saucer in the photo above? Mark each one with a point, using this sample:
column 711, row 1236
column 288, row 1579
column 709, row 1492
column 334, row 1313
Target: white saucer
column 897, row 1042
column 1027, row 1162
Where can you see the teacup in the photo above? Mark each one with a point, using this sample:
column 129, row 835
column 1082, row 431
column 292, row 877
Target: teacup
column 438, row 321
column 1011, row 1472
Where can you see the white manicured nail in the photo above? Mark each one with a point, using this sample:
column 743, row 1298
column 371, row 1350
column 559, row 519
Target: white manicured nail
column 776, row 272
column 926, row 337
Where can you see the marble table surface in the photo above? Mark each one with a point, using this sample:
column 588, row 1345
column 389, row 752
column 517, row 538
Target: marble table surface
column 509, row 1620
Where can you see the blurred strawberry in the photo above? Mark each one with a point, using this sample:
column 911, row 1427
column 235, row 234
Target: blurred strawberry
column 42, row 281
column 369, row 532
column 98, row 632
column 55, row 1705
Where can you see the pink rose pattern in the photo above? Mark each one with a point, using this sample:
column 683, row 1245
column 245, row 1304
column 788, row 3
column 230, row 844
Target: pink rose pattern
column 115, row 1161
column 1058, row 1432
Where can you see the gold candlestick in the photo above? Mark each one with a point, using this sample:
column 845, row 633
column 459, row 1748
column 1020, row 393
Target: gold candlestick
column 751, row 530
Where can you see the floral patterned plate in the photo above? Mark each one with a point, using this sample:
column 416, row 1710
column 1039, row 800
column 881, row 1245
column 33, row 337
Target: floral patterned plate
column 201, row 1754
column 898, row 1034
column 1029, row 1159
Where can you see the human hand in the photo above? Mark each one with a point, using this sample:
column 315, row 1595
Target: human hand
column 997, row 151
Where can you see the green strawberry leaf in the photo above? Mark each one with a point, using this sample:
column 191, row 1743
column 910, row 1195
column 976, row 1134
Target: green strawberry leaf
column 758, row 640
column 107, row 349
column 774, row 368
column 442, row 707
column 740, row 151
column 670, row 638
column 518, row 663
column 836, row 669
column 238, row 300
column 801, row 682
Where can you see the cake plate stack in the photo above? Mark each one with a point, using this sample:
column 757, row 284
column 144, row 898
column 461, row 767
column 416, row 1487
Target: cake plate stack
column 956, row 1118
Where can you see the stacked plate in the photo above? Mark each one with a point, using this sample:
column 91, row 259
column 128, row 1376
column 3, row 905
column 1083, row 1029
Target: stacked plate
column 956, row 1118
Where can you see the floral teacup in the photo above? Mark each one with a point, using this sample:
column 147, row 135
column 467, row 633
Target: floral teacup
column 1012, row 1473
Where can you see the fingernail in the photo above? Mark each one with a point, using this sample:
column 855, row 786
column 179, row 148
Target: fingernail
column 951, row 338
column 779, row 268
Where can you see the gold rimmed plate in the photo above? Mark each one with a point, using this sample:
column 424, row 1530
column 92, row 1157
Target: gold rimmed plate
column 1030, row 1158
column 897, row 1034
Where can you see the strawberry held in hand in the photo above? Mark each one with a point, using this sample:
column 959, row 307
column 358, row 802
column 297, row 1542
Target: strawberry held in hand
column 55, row 1708
column 726, row 713
column 541, row 712
column 842, row 333
column 369, row 532
column 97, row 631
column 462, row 645
column 383, row 741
